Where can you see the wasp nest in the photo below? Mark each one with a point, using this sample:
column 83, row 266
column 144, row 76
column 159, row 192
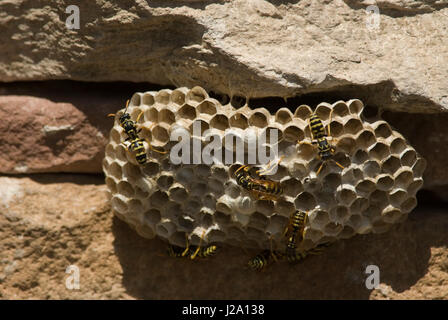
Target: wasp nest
column 377, row 187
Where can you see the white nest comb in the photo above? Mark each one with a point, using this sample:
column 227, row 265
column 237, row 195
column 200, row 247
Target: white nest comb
column 377, row 187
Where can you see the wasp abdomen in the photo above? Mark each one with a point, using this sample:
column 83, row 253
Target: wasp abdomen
column 260, row 261
column 317, row 128
column 207, row 251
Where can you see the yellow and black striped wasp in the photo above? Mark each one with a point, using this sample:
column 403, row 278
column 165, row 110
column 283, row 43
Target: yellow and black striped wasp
column 199, row 251
column 261, row 188
column 320, row 137
column 203, row 252
column 263, row 259
column 135, row 142
column 295, row 232
column 295, row 257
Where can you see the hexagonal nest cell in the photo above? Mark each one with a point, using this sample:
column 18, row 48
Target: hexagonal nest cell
column 375, row 188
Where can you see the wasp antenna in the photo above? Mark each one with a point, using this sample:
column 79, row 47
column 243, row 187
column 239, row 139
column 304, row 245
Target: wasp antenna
column 240, row 168
column 198, row 248
column 127, row 105
column 111, row 115
column 187, row 246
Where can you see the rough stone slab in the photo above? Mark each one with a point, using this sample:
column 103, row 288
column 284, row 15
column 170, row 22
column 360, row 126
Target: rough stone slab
column 39, row 135
column 57, row 126
column 426, row 133
column 60, row 220
column 250, row 48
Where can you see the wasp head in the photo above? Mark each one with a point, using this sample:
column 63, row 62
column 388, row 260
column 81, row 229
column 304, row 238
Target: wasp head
column 124, row 117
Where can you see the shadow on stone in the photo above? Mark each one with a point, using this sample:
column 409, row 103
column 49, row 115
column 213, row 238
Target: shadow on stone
column 280, row 2
column 397, row 11
column 428, row 134
column 94, row 100
column 198, row 4
column 53, row 178
column 402, row 255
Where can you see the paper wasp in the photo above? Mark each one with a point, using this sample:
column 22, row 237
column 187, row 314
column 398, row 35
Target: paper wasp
column 295, row 257
column 295, row 230
column 192, row 252
column 263, row 259
column 135, row 142
column 320, row 137
column 261, row 188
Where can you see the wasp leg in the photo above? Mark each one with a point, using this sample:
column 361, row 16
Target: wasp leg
column 287, row 226
column 153, row 149
column 309, row 126
column 171, row 251
column 329, row 122
column 286, row 231
column 306, row 142
column 340, row 165
column 272, row 168
column 304, row 228
column 198, row 248
column 149, row 143
column 127, row 148
column 138, row 117
column 272, row 251
column 258, row 171
column 320, row 168
column 302, row 236
column 187, row 246
column 143, row 127
column 263, row 196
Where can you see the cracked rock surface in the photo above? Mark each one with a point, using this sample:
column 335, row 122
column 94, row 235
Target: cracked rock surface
column 251, row 48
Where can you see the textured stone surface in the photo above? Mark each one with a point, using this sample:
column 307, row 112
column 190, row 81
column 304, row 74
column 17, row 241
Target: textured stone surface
column 399, row 8
column 33, row 112
column 48, row 222
column 376, row 188
column 39, row 135
column 426, row 133
column 257, row 48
